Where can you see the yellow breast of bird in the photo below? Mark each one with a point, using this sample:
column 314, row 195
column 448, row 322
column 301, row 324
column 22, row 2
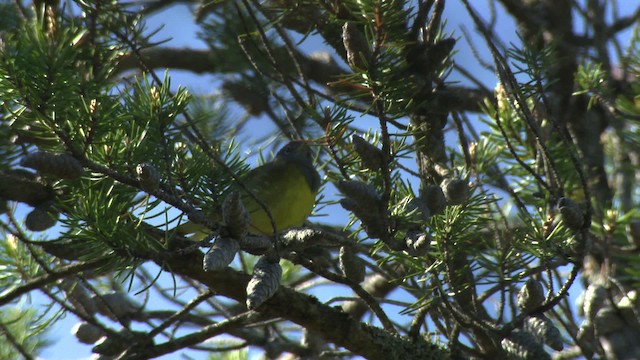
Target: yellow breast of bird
column 284, row 190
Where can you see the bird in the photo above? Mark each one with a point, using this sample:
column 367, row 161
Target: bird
column 287, row 186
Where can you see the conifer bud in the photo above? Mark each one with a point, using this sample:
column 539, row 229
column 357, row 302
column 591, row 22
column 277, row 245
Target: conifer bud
column 256, row 245
column 364, row 195
column 148, row 177
column 370, row 155
column 456, row 191
column 79, row 297
column 531, row 296
column 116, row 305
column 250, row 99
column 543, row 329
column 111, row 346
column 418, row 243
column 351, row 265
column 424, row 59
column 320, row 257
column 365, row 203
column 370, row 218
column 608, row 320
column 41, row 218
column 264, row 282
column 295, row 239
column 502, row 99
column 418, row 210
column 87, row 333
column 24, row 186
column 595, row 297
column 586, row 335
column 235, row 216
column 630, row 300
column 356, row 45
column 434, row 198
column 63, row 166
column 349, row 205
column 12, row 245
column 522, row 345
column 619, row 318
column 220, row 254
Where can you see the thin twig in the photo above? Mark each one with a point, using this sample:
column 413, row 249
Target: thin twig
column 180, row 314
column 50, row 277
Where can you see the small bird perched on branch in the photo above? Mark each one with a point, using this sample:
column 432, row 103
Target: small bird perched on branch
column 287, row 186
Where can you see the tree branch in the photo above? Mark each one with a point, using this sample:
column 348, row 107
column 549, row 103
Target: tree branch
column 318, row 67
column 43, row 280
column 334, row 325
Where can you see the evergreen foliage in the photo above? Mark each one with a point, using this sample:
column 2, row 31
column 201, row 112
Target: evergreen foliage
column 461, row 218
